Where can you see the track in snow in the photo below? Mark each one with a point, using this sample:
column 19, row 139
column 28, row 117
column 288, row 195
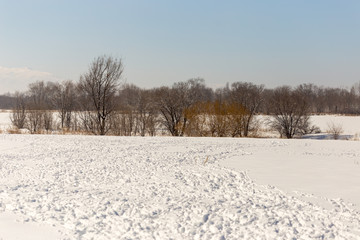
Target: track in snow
column 153, row 188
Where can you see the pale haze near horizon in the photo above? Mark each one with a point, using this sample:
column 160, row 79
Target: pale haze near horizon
column 162, row 42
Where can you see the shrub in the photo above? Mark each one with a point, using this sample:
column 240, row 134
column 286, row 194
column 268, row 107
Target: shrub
column 335, row 129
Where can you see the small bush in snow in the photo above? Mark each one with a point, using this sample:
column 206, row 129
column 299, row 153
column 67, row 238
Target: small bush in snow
column 335, row 129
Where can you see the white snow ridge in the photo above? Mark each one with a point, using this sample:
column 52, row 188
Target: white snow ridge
column 85, row 187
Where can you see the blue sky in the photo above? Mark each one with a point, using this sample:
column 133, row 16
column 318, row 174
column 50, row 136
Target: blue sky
column 162, row 42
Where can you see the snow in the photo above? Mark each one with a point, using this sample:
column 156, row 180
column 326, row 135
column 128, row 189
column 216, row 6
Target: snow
column 92, row 187
column 13, row 229
column 350, row 124
column 329, row 169
column 5, row 122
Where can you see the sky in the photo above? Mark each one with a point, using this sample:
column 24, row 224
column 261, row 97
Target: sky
column 161, row 42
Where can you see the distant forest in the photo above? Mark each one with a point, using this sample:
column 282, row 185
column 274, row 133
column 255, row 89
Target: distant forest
column 99, row 103
column 322, row 100
column 7, row 101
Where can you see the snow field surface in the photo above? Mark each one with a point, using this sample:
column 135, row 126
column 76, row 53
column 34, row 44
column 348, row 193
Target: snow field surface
column 349, row 124
column 5, row 121
column 90, row 187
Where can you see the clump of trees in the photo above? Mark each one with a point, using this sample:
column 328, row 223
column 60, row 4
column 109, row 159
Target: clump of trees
column 291, row 112
column 174, row 103
column 36, row 108
column 101, row 104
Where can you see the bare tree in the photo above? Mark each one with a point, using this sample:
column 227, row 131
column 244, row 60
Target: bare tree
column 39, row 105
column 64, row 99
column 98, row 88
column 18, row 115
column 290, row 111
column 48, row 120
column 39, row 95
column 250, row 97
column 309, row 92
column 170, row 108
column 34, row 120
column 129, row 99
column 218, row 119
column 150, row 113
column 146, row 113
column 189, row 93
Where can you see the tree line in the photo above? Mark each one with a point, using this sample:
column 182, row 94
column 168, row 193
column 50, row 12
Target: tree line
column 99, row 103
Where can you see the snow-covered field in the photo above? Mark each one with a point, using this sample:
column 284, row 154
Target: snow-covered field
column 88, row 187
column 350, row 124
column 5, row 122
